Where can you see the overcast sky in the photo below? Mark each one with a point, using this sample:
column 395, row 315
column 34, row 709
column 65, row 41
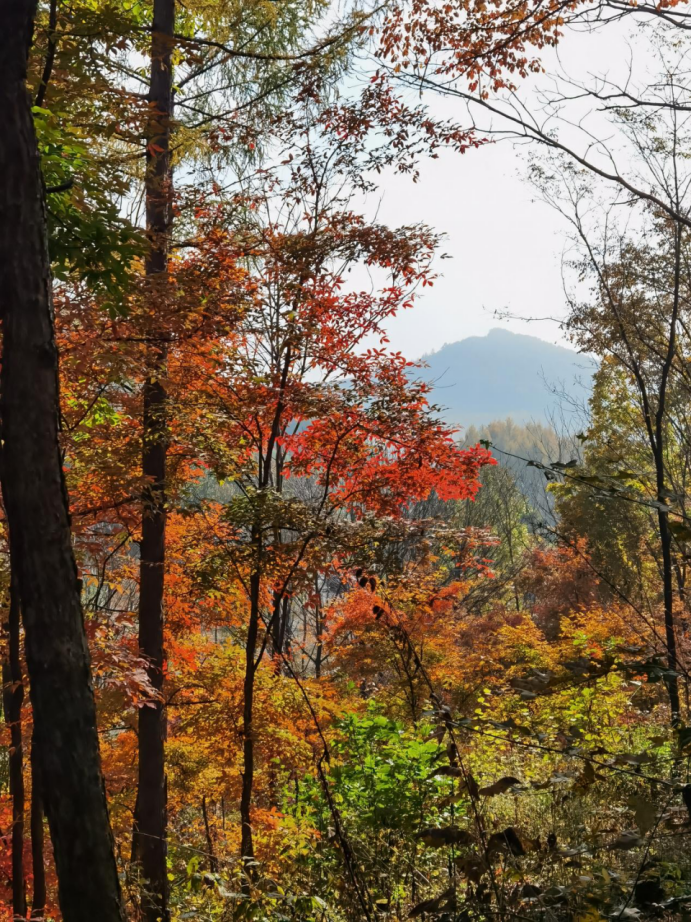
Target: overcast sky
column 505, row 249
column 506, row 244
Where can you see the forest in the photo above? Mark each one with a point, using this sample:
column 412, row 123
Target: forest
column 278, row 642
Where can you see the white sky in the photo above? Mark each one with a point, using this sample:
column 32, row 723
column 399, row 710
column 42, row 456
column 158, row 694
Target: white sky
column 506, row 243
column 505, row 248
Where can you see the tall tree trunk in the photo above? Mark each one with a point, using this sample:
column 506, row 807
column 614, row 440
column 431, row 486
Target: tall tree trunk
column 38, row 901
column 657, row 439
column 247, row 850
column 276, row 645
column 279, row 625
column 264, row 480
column 13, row 696
column 212, row 859
column 319, row 631
column 35, row 499
column 150, row 846
column 669, row 616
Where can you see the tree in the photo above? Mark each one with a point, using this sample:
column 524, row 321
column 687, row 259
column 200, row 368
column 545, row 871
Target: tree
column 621, row 533
column 149, row 842
column 386, row 700
column 626, row 196
column 36, row 507
column 13, row 696
column 639, row 318
column 150, row 819
column 285, row 398
column 476, row 58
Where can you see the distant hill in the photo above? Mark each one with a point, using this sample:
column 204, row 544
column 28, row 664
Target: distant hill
column 485, row 378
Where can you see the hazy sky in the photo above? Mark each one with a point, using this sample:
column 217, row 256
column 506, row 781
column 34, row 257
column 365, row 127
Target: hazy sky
column 505, row 249
column 506, row 244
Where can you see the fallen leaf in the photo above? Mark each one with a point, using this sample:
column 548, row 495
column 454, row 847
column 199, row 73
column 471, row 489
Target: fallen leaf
column 447, row 835
column 627, row 839
column 630, row 758
column 644, row 812
column 449, row 771
column 473, row 868
column 508, row 840
column 530, row 891
column 499, row 787
column 630, row 912
column 541, row 785
column 573, row 852
column 446, row 900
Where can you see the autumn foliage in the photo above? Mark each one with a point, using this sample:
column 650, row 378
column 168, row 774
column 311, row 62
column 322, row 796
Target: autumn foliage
column 375, row 706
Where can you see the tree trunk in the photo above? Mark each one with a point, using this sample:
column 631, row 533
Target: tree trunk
column 669, row 617
column 276, row 626
column 13, row 696
column 38, row 902
column 35, row 499
column 212, row 859
column 247, row 850
column 319, row 631
column 658, row 449
column 150, row 846
column 279, row 625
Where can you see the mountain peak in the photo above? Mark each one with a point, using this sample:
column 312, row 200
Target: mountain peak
column 505, row 374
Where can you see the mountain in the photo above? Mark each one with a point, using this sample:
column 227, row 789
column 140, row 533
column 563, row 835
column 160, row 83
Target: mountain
column 504, row 374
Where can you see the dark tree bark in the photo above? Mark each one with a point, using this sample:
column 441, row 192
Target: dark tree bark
column 35, row 500
column 657, row 439
column 279, row 624
column 669, row 616
column 654, row 391
column 264, row 480
column 247, row 848
column 150, row 847
column 211, row 856
column 319, row 632
column 38, row 900
column 13, row 696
